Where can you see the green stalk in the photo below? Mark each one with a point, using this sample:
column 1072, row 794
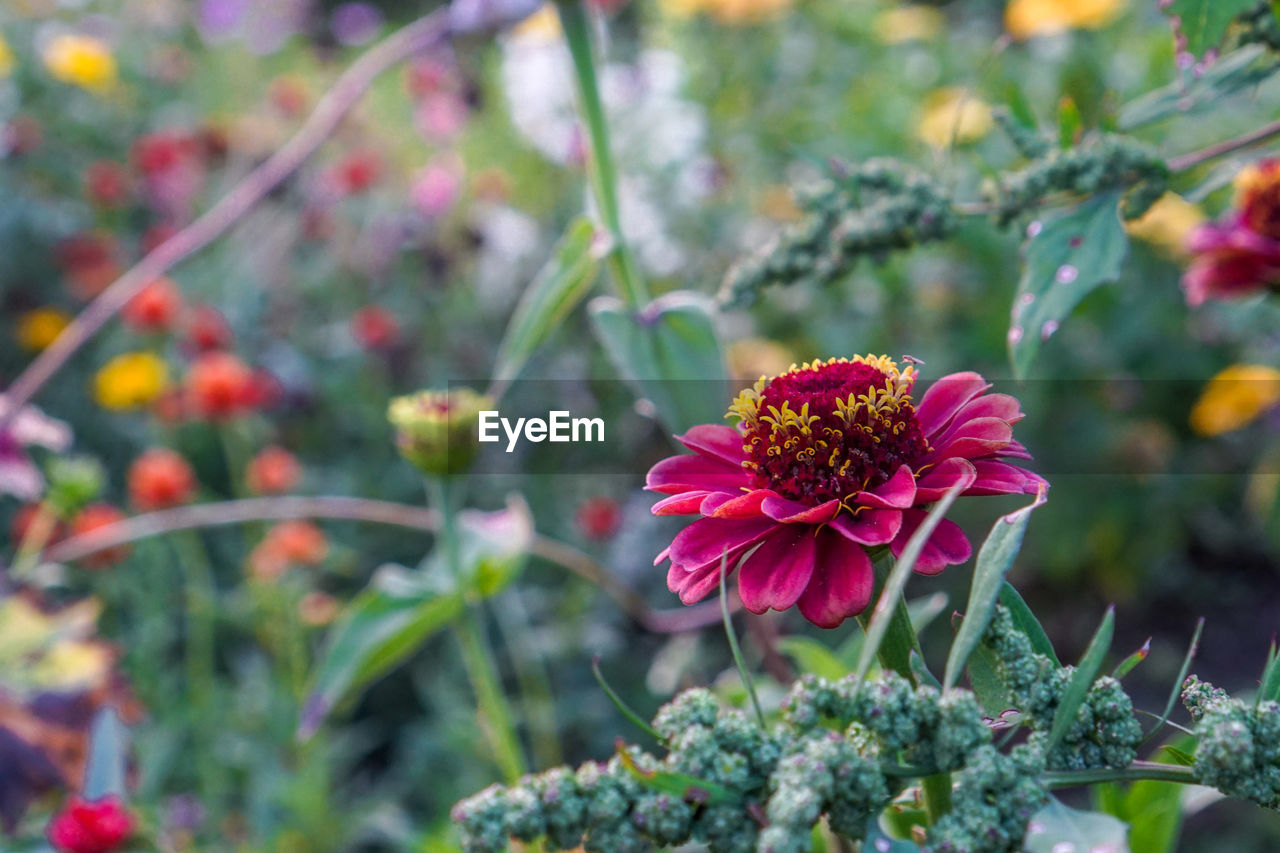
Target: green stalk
column 37, row 535
column 536, row 696
column 894, row 653
column 495, row 711
column 603, row 175
column 1134, row 772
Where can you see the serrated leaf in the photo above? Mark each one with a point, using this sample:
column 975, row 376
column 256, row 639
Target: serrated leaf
column 559, row 286
column 669, row 352
column 108, row 749
column 1231, row 73
column 812, row 657
column 1067, row 256
column 1027, row 622
column 1203, row 23
column 1056, row 828
column 1081, row 680
column 995, row 558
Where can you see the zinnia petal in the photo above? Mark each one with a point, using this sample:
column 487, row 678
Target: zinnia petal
column 898, row 492
column 941, row 478
column 716, row 442
column 945, row 397
column 793, row 512
column 777, row 572
column 947, row 546
column 841, row 584
column 705, row 540
column 677, row 474
column 869, row 526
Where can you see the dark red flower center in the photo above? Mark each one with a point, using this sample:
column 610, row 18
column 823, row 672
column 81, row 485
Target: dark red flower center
column 830, row 429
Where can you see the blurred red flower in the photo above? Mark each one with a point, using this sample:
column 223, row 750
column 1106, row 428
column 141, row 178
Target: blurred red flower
column 90, row 260
column 94, row 517
column 375, row 328
column 84, row 826
column 288, row 543
column 155, row 308
column 161, row 478
column 219, row 386
column 106, row 183
column 357, row 171
column 1239, row 255
column 599, row 518
column 207, row 329
column 273, row 471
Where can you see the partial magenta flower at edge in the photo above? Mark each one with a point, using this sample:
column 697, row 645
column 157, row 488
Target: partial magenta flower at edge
column 1240, row 255
column 19, row 475
column 828, row 460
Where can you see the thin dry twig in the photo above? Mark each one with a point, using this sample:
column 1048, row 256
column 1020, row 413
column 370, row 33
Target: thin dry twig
column 224, row 513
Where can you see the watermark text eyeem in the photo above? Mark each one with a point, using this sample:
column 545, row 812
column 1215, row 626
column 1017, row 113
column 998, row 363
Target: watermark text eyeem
column 558, row 426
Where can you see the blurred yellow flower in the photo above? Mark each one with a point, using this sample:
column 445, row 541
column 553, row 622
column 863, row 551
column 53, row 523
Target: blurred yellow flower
column 73, row 666
column 953, row 113
column 908, row 23
column 6, row 58
column 1027, row 18
column 750, row 358
column 40, row 327
column 542, row 25
column 1235, row 398
column 777, row 202
column 130, row 380
column 82, row 61
column 732, row 12
column 1167, row 223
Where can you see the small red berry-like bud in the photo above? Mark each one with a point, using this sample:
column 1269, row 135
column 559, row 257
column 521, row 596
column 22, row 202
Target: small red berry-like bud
column 599, row 518
column 163, row 151
column 358, row 171
column 273, row 471
column 301, row 542
column 207, row 329
column 375, row 328
column 106, row 183
column 155, row 308
column 98, row 826
column 159, row 479
column 219, row 386
column 94, row 517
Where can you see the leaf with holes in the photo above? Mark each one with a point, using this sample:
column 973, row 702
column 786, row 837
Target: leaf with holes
column 1057, row 828
column 1203, row 23
column 1068, row 255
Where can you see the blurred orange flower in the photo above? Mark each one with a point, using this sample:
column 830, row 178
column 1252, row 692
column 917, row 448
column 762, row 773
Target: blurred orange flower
column 160, row 478
column 155, row 308
column 273, row 471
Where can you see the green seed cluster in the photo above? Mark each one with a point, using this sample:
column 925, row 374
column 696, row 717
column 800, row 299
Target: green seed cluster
column 994, row 798
column 878, row 207
column 1105, row 732
column 1238, row 751
column 1030, row 143
column 1102, row 162
column 1259, row 25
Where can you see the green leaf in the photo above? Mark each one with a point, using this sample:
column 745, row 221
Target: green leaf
column 984, row 677
column 1152, row 808
column 1056, row 828
column 891, row 595
column 1176, row 691
column 1081, row 680
column 925, row 609
column 559, row 286
column 1126, row 666
column 1203, row 23
column 386, row 623
column 1070, row 123
column 1027, row 622
column 669, row 353
column 401, row 609
column 920, row 670
column 995, row 558
column 1232, row 73
column 108, row 746
column 1180, row 756
column 1068, row 255
column 812, row 657
column 1269, row 684
column 681, row 785
column 876, row 840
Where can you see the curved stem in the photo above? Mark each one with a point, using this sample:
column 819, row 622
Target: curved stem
column 319, row 126
column 1221, row 149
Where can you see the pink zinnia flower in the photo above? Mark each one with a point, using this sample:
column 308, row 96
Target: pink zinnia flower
column 1240, row 255
column 828, row 460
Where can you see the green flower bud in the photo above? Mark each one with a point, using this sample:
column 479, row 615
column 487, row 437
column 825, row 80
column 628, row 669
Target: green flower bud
column 438, row 431
column 74, row 482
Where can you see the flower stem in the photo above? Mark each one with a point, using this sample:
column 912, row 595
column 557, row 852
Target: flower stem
column 1134, row 772
column 495, row 711
column 37, row 535
column 604, row 177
